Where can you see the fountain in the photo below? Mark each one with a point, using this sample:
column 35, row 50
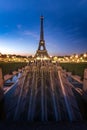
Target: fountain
column 40, row 95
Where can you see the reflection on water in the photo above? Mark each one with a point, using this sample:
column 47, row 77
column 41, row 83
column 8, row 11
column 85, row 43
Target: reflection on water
column 13, row 79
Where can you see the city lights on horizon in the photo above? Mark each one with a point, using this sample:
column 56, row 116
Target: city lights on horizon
column 52, row 55
column 23, row 58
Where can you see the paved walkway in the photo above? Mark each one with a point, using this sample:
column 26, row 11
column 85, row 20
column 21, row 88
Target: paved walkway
column 44, row 126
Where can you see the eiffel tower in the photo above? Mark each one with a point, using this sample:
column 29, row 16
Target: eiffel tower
column 41, row 53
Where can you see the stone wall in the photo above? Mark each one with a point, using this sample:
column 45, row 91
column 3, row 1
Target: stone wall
column 85, row 80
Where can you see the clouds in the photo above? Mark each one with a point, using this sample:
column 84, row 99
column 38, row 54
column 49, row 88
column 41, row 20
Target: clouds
column 30, row 33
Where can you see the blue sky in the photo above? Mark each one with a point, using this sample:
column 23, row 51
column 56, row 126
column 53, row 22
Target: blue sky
column 65, row 26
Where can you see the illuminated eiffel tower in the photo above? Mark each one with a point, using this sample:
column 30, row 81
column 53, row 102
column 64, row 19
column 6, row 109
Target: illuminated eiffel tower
column 41, row 53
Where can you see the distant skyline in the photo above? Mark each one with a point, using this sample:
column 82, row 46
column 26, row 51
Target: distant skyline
column 65, row 26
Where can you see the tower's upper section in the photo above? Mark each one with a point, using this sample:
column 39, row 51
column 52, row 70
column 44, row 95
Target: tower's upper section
column 41, row 28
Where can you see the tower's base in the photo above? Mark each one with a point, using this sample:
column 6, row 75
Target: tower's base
column 42, row 55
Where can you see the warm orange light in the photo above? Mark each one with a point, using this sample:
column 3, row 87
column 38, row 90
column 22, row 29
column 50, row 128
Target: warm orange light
column 85, row 55
column 76, row 56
